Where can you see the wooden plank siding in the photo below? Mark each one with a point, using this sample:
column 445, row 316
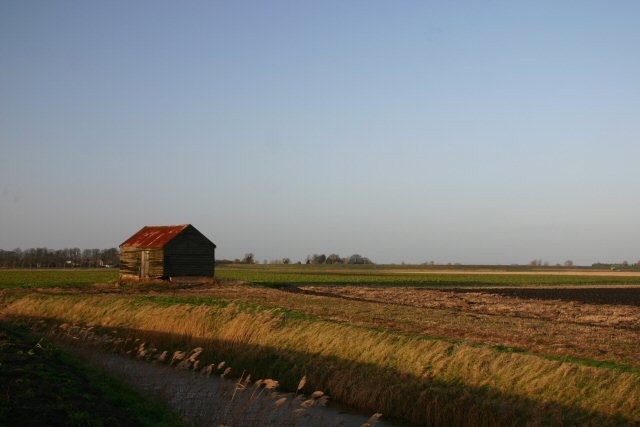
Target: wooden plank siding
column 130, row 262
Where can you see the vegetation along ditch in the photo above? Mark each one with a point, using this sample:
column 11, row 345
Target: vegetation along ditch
column 429, row 382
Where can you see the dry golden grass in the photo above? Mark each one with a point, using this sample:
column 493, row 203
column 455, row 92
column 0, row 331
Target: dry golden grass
column 611, row 334
column 424, row 381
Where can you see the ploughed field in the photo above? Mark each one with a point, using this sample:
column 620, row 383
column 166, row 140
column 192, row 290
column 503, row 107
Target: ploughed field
column 590, row 295
column 430, row 347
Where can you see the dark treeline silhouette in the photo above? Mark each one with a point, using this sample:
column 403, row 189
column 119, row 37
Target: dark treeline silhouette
column 336, row 259
column 59, row 258
column 624, row 265
column 250, row 258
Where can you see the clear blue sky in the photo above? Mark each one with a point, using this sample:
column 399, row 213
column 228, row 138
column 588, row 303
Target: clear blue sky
column 475, row 132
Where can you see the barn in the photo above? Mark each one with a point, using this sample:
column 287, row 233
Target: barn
column 166, row 252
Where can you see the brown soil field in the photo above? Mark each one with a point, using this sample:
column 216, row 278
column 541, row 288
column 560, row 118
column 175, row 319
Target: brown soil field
column 534, row 303
column 627, row 295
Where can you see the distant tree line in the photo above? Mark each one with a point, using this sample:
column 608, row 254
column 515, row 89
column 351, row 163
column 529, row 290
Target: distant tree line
column 337, row 259
column 249, row 258
column 599, row 265
column 59, row 258
column 540, row 263
column 624, row 265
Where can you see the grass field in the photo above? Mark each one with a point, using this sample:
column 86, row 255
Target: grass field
column 41, row 385
column 344, row 275
column 434, row 348
column 55, row 278
column 410, row 276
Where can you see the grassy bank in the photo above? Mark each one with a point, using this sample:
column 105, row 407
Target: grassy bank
column 406, row 376
column 41, row 385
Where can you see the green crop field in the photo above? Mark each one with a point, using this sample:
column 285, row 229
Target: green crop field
column 274, row 275
column 385, row 276
column 55, row 278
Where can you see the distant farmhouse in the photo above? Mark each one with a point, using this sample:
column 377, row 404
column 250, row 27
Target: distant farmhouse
column 165, row 252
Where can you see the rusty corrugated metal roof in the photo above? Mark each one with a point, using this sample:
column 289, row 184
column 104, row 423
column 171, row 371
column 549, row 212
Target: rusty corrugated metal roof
column 156, row 236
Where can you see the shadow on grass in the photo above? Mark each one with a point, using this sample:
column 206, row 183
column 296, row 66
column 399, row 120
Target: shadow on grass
column 44, row 386
column 370, row 388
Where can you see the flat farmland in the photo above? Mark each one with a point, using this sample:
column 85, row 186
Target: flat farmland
column 428, row 347
column 45, row 278
column 410, row 276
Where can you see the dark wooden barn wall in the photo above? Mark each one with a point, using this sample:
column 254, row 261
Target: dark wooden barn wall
column 189, row 254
